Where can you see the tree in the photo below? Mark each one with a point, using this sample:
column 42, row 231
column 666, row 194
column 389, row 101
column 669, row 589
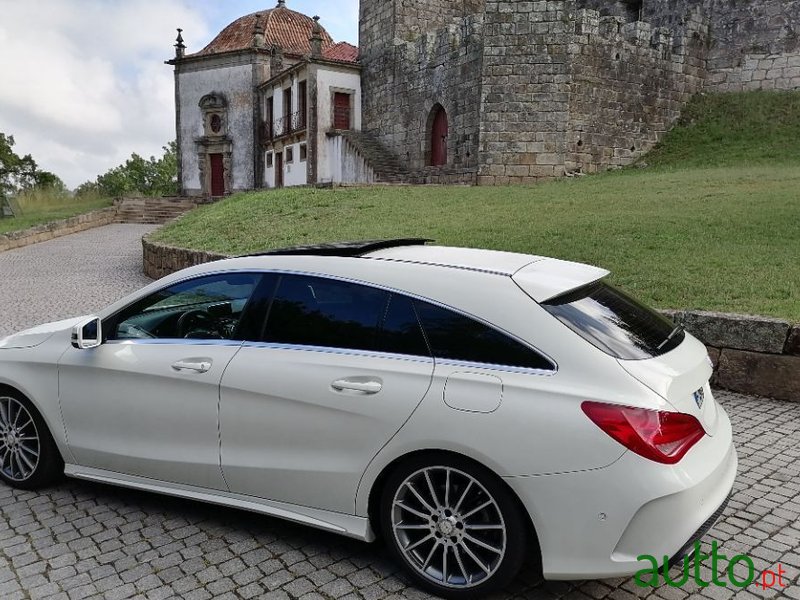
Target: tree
column 18, row 173
column 139, row 176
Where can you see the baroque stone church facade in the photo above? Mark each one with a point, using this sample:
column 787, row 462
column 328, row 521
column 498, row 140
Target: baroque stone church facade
column 463, row 91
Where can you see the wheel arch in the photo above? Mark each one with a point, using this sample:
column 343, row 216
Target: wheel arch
column 373, row 502
column 52, row 428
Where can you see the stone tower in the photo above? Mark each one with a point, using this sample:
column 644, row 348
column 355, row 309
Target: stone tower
column 421, row 58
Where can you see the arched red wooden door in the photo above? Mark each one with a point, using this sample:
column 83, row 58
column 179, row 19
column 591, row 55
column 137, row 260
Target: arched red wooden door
column 439, row 137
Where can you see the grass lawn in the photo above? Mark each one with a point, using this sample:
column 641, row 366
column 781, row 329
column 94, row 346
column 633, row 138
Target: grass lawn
column 725, row 238
column 37, row 211
column 733, row 129
column 713, row 223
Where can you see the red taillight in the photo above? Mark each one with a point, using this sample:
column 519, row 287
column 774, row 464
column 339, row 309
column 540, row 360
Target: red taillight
column 664, row 437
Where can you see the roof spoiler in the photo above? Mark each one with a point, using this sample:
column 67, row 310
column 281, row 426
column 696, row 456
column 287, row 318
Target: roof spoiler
column 345, row 249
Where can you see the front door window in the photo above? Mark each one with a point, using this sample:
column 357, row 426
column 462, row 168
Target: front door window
column 209, row 308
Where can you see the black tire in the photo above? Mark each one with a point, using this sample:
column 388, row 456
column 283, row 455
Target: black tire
column 49, row 466
column 460, row 585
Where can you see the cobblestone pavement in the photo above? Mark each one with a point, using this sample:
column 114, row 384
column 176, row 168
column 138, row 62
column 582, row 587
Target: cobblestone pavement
column 69, row 276
column 84, row 540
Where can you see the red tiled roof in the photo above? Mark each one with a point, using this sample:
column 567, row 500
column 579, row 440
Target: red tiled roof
column 342, row 52
column 286, row 28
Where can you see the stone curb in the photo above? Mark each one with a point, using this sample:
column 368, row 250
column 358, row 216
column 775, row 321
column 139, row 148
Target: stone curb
column 751, row 354
column 55, row 229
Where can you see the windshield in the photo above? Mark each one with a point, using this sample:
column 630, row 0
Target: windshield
column 615, row 323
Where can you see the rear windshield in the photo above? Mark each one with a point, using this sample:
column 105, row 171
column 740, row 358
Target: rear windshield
column 616, row 323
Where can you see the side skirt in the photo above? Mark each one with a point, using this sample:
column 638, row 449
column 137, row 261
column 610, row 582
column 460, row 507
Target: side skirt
column 347, row 525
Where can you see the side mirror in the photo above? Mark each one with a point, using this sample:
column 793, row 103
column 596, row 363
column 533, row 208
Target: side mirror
column 87, row 334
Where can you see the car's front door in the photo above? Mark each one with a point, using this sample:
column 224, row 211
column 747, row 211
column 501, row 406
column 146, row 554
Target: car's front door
column 338, row 370
column 146, row 401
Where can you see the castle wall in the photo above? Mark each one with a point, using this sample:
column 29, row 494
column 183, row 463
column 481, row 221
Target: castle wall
column 565, row 89
column 415, row 17
column 382, row 21
column 402, row 88
column 755, row 44
column 526, row 91
column 629, row 84
column 540, row 88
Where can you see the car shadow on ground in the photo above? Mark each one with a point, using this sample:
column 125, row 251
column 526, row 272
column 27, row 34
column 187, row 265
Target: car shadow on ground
column 116, row 524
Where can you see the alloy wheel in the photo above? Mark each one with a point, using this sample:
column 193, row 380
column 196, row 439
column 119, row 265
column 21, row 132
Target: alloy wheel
column 19, row 441
column 449, row 527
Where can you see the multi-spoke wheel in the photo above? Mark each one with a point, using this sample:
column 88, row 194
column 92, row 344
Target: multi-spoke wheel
column 19, row 441
column 28, row 455
column 454, row 526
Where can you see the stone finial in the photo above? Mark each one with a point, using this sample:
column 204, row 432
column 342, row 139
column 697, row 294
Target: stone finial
column 180, row 47
column 259, row 41
column 281, row 4
column 316, row 38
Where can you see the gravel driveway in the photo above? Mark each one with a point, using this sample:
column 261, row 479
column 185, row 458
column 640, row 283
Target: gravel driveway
column 83, row 540
column 69, row 276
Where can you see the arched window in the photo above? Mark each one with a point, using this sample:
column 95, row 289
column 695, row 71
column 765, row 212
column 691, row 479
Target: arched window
column 438, row 129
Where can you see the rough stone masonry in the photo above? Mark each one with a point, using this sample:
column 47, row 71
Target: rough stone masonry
column 540, row 89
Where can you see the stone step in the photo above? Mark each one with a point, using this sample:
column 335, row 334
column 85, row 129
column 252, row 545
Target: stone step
column 386, row 166
column 154, row 211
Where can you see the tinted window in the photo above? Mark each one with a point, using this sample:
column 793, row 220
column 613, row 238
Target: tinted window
column 203, row 308
column 401, row 332
column 456, row 337
column 311, row 311
column 616, row 323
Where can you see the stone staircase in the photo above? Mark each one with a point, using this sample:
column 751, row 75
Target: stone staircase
column 387, row 167
column 153, row 211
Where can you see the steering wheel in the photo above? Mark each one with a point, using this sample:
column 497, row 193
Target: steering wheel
column 197, row 321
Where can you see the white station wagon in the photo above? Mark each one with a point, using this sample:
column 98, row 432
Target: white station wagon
column 469, row 407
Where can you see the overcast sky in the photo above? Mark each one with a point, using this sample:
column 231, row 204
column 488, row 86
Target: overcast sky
column 83, row 83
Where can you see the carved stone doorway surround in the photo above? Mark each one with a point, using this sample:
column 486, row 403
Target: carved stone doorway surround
column 214, row 109
column 205, row 149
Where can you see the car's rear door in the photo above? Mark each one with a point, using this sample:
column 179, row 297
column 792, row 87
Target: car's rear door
column 338, row 370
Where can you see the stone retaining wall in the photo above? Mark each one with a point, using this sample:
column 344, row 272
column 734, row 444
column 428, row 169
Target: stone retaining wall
column 751, row 355
column 49, row 231
column 160, row 260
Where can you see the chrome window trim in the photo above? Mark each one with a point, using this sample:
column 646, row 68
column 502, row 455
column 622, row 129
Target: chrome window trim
column 492, row 367
column 340, row 351
column 396, row 356
column 172, row 342
column 263, row 271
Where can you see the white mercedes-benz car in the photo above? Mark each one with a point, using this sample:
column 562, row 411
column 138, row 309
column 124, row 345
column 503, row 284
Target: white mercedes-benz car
column 469, row 407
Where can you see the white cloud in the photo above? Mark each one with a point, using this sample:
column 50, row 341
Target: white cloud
column 84, row 83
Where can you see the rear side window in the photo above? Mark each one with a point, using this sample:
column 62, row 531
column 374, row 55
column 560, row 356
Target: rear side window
column 401, row 332
column 311, row 311
column 453, row 336
column 616, row 323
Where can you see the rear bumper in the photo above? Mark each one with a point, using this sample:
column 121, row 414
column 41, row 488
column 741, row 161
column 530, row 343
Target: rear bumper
column 688, row 547
column 595, row 524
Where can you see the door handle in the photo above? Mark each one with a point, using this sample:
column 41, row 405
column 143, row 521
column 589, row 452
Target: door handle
column 202, row 366
column 366, row 387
